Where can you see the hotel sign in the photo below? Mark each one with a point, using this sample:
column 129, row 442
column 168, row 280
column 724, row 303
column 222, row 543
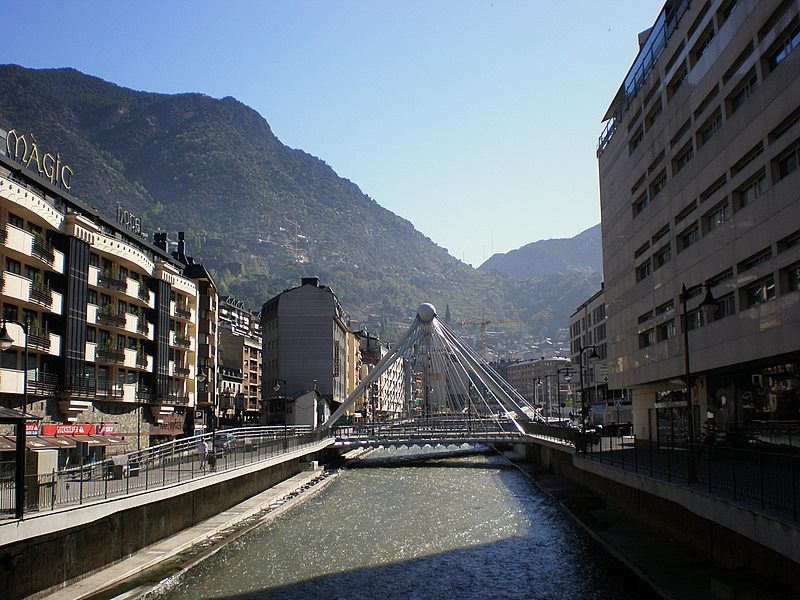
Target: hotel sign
column 129, row 221
column 23, row 149
column 336, row 359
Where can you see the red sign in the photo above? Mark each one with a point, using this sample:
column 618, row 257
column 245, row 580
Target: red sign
column 31, row 429
column 67, row 429
column 105, row 429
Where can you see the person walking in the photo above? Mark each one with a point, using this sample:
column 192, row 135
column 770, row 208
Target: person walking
column 202, row 453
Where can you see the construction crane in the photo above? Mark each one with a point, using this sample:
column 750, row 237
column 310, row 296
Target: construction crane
column 484, row 323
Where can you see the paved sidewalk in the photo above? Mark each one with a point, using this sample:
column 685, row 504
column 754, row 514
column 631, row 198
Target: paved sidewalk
column 673, row 571
column 169, row 547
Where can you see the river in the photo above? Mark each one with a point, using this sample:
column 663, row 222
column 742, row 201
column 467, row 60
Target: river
column 403, row 526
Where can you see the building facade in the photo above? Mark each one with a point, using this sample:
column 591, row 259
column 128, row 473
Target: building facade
column 698, row 178
column 107, row 355
column 589, row 353
column 544, row 382
column 240, row 351
column 304, row 347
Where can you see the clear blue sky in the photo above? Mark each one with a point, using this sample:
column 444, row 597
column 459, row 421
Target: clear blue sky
column 477, row 121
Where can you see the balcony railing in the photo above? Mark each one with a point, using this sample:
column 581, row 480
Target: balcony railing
column 144, row 394
column 142, row 326
column 112, row 283
column 173, row 399
column 107, row 390
column 183, row 313
column 39, row 338
column 111, row 356
column 110, row 319
column 181, row 371
column 144, row 292
column 141, row 361
column 79, row 387
column 41, row 293
column 42, row 384
column 184, row 342
column 43, row 250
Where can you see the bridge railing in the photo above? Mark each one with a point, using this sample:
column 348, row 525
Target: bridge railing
column 157, row 466
column 452, row 429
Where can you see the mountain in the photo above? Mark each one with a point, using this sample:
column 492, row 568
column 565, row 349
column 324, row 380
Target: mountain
column 550, row 257
column 259, row 214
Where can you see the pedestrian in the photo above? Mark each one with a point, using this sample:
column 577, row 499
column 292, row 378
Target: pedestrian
column 201, row 452
column 212, row 456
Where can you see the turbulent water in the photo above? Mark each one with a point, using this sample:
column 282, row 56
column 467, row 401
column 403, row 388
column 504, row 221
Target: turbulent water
column 409, row 527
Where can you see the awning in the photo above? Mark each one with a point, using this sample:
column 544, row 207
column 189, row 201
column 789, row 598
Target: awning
column 109, row 440
column 60, row 441
column 92, row 440
column 7, row 445
column 44, row 442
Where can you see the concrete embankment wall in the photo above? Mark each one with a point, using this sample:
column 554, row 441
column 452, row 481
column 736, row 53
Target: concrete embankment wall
column 46, row 551
column 727, row 534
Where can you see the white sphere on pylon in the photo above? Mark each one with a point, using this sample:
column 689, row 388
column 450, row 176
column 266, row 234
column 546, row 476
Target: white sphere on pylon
column 426, row 312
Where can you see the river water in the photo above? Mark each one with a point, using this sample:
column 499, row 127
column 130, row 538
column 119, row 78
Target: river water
column 405, row 526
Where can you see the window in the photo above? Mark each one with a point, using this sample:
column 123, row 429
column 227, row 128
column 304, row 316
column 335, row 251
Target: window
column 676, row 82
column 742, row 92
column 788, row 42
column 688, row 236
column 785, row 125
column 646, row 338
column 790, row 278
column 760, row 292
column 753, row 261
column 737, row 64
column 726, row 306
column 706, row 101
column 788, row 162
column 641, row 250
column 694, row 320
column 726, row 10
column 679, row 134
column 686, row 211
column 716, row 217
column 751, row 190
column 16, row 221
column 92, row 299
column 709, row 128
column 122, row 307
column 123, row 273
column 91, row 334
column 666, row 330
column 790, row 241
column 719, row 279
column 656, row 162
column 660, row 233
column 635, row 140
column 640, row 203
column 682, row 158
column 13, row 266
column 643, row 271
column 32, row 273
column 94, row 260
column 662, row 256
column 703, row 43
column 653, row 115
column 10, row 312
column 658, row 184
column 713, row 188
column 749, row 157
column 645, row 317
column 105, row 300
column 665, row 308
column 120, row 342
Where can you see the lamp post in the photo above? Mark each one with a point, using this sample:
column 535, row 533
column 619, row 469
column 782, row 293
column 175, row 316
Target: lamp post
column 277, row 388
column 567, row 377
column 6, row 341
column 709, row 305
column 593, row 355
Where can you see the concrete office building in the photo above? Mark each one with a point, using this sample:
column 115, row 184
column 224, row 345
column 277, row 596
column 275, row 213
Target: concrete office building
column 699, row 178
column 589, row 351
column 109, row 359
column 304, row 348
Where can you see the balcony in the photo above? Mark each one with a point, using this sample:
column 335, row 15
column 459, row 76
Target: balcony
column 181, row 371
column 143, row 293
column 81, row 387
column 41, row 293
column 112, row 283
column 142, row 326
column 25, row 290
column 38, row 338
column 116, row 357
column 43, row 251
column 183, row 342
column 106, row 316
column 172, row 399
column 144, row 394
column 33, row 245
column 183, row 313
column 42, row 384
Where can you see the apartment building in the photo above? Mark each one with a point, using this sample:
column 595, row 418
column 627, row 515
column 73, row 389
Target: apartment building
column 108, row 356
column 588, row 331
column 240, row 353
column 545, row 383
column 385, row 398
column 699, row 178
column 304, row 349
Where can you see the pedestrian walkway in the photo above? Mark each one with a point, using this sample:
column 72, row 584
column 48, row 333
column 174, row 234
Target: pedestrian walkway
column 193, row 536
column 674, row 572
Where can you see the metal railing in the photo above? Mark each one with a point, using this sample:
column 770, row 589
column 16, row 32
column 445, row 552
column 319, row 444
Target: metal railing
column 107, row 317
column 144, row 292
column 112, row 283
column 184, row 342
column 768, row 478
column 182, row 312
column 111, row 356
column 154, row 467
column 41, row 293
column 43, row 250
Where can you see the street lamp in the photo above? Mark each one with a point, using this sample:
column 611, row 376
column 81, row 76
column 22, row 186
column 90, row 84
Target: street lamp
column 6, row 341
column 592, row 356
column 709, row 306
column 567, row 377
column 277, row 389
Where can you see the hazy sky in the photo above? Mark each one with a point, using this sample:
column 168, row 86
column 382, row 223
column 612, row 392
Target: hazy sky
column 477, row 121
